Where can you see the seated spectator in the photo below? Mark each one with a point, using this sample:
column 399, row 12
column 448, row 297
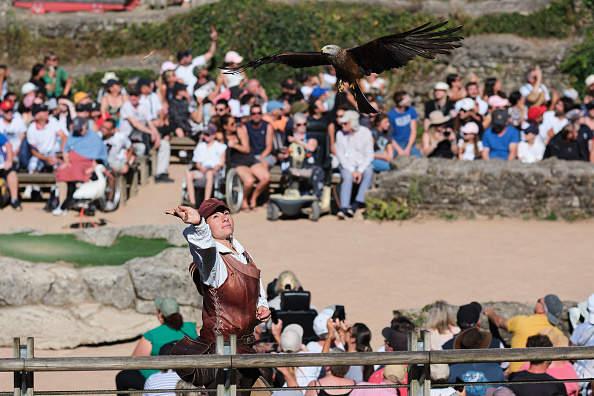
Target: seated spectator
column 57, row 81
column 119, row 155
column 472, row 90
column 207, row 163
column 321, row 327
column 403, row 120
column 382, row 143
column 287, row 281
column 275, row 115
column 106, row 77
column 470, row 147
column 4, row 76
column 559, row 369
column 500, row 139
column 440, row 140
column 12, row 133
column 441, row 103
column 394, row 340
column 300, row 133
column 517, row 109
column 335, row 376
column 568, row 145
column 531, row 149
column 244, row 162
column 354, row 149
column 163, row 379
column 457, row 91
column 392, row 375
column 546, row 314
column 536, row 372
column 29, row 94
column 66, row 113
column 498, row 391
column 554, row 121
column 179, row 113
column 43, row 137
column 261, row 136
column 37, row 78
column 81, row 154
column 440, row 373
column 441, row 323
column 172, row 328
column 474, row 338
column 535, row 91
column 113, row 100
column 466, row 114
column 583, row 335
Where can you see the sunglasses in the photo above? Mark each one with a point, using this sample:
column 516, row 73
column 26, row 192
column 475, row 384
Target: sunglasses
column 300, row 124
column 258, row 113
column 220, row 109
column 8, row 111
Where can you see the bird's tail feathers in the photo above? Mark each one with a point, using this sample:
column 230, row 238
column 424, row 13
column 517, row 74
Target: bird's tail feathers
column 362, row 104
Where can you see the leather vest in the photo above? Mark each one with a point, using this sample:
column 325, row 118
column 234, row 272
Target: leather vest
column 231, row 307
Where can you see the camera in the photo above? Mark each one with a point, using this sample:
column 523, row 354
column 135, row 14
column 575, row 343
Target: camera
column 446, row 133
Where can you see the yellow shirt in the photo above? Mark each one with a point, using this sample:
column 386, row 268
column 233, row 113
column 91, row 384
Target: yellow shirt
column 523, row 327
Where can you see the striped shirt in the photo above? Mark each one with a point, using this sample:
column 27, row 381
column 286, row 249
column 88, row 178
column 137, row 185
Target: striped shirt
column 161, row 380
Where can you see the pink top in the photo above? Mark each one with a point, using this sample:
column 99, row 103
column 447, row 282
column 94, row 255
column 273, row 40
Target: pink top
column 562, row 372
column 378, row 377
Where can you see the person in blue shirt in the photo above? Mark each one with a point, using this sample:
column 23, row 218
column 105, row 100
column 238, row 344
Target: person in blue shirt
column 500, row 140
column 403, row 119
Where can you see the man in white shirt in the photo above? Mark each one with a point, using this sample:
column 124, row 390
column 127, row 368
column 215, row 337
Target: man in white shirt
column 185, row 70
column 534, row 87
column 554, row 121
column 43, row 136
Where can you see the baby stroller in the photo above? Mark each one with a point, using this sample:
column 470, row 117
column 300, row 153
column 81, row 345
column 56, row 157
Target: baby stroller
column 304, row 187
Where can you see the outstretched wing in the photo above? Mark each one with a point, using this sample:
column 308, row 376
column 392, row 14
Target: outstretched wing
column 397, row 50
column 293, row 59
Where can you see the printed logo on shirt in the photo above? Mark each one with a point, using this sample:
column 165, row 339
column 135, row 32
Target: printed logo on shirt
column 403, row 121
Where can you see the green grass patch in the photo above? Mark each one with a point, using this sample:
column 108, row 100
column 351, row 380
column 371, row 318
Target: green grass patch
column 51, row 248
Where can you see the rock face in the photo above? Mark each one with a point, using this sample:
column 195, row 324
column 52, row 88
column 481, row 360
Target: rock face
column 108, row 236
column 110, row 285
column 493, row 187
column 23, row 282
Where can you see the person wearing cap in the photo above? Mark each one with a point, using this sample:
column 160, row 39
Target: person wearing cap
column 207, row 163
column 354, row 149
column 403, row 119
column 554, row 121
column 42, row 136
column 470, row 147
column 568, row 145
column 82, row 152
column 113, row 100
column 500, row 140
column 185, row 70
column 234, row 301
column 534, row 87
column 12, row 133
column 546, row 313
column 275, row 115
column 290, row 92
column 109, row 75
column 467, row 112
column 583, row 335
column 472, row 90
column 56, row 77
column 232, row 81
column 531, row 150
column 173, row 328
column 440, row 102
column 439, row 141
column 537, row 371
column 394, row 341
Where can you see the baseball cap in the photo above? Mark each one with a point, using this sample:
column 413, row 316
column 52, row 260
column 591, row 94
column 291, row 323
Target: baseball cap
column 317, row 92
column 502, row 391
column 591, row 309
column 38, row 108
column 397, row 340
column 183, row 54
column 349, row 115
column 395, row 372
column 469, row 315
column 167, row 305
column 291, row 337
column 554, row 307
column 470, row 127
column 211, row 129
column 77, row 125
column 535, row 112
column 233, row 57
column 531, row 128
column 499, row 117
column 28, row 87
column 79, row 96
column 81, row 107
column 497, row 101
column 6, row 105
column 441, row 86
column 467, row 104
column 166, row 66
column 210, row 206
column 571, row 93
column 274, row 105
column 589, row 80
column 320, row 322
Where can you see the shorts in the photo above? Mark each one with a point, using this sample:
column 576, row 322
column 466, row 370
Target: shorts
column 118, row 165
column 36, row 165
column 269, row 159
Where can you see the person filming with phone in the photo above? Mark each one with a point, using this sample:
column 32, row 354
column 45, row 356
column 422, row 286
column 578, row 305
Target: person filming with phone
column 440, row 140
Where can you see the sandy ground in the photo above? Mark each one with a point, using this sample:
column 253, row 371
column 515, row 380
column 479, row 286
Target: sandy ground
column 371, row 268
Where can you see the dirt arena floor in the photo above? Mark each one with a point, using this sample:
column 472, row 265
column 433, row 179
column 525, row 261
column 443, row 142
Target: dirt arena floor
column 372, row 268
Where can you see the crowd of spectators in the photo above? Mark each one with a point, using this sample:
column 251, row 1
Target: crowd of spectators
column 237, row 124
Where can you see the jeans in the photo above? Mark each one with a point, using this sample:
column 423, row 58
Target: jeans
column 346, row 187
column 380, row 165
column 413, row 150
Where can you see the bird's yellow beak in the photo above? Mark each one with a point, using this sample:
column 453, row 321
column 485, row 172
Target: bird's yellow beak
column 323, row 50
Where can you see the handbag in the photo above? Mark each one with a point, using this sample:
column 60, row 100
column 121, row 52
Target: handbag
column 191, row 346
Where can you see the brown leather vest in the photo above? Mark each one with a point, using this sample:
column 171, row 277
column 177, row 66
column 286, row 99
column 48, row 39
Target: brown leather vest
column 231, row 307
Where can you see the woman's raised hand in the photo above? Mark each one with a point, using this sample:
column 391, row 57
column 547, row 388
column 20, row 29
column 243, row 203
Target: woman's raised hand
column 187, row 214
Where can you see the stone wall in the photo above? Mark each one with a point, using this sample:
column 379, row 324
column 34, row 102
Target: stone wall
column 64, row 307
column 492, row 187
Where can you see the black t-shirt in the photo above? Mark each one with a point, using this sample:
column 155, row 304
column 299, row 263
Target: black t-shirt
column 576, row 150
column 432, row 105
column 443, row 150
column 586, row 132
column 534, row 389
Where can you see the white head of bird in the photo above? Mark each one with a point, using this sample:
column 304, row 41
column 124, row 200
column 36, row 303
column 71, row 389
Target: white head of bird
column 331, row 49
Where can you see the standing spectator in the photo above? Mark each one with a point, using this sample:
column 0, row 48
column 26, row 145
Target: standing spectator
column 536, row 372
column 43, row 135
column 403, row 119
column 208, row 160
column 358, row 339
column 457, row 91
column 531, row 150
column 354, row 148
column 185, row 70
column 261, row 136
column 500, row 140
column 470, row 147
column 382, row 143
column 583, row 335
column 546, row 314
column 440, row 140
column 13, row 129
column 441, row 103
column 568, row 145
column 441, row 323
column 535, row 91
column 113, row 100
column 554, row 121
column 4, row 76
column 233, row 82
column 56, row 79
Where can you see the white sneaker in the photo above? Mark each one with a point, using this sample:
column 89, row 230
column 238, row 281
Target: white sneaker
column 60, row 212
column 27, row 192
column 109, row 206
column 182, row 154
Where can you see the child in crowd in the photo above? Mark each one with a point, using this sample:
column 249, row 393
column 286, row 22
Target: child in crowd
column 470, row 145
column 531, row 150
column 208, row 161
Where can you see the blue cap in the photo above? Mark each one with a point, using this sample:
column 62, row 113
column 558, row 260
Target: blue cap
column 531, row 128
column 273, row 105
column 317, row 92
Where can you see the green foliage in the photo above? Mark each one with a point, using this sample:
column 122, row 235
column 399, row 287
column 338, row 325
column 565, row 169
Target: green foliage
column 548, row 217
column 448, row 216
column 579, row 62
column 471, row 216
column 50, row 248
column 526, row 218
column 416, row 190
column 396, row 209
column 91, row 83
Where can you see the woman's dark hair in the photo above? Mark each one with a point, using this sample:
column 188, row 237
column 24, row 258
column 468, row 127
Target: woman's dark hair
column 362, row 336
column 175, row 321
column 489, row 84
column 451, row 78
column 339, row 371
column 225, row 120
column 514, row 98
column 36, row 69
column 403, row 324
column 379, row 118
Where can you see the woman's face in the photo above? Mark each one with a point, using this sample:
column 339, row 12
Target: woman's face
column 221, row 225
column 115, row 89
column 384, row 124
column 231, row 125
column 41, row 73
column 497, row 86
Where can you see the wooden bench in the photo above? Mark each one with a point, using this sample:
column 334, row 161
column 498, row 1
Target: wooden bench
column 182, row 143
column 39, row 179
